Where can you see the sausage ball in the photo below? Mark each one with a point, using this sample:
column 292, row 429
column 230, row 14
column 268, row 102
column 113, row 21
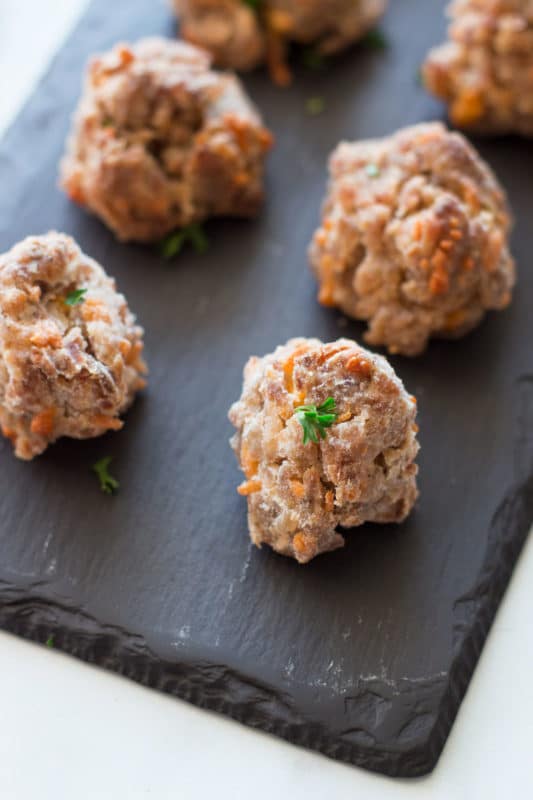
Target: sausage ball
column 413, row 238
column 244, row 33
column 70, row 351
column 485, row 71
column 303, row 479
column 161, row 141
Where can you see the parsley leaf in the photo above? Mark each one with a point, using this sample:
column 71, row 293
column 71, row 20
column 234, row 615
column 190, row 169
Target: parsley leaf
column 373, row 171
column 315, row 106
column 76, row 297
column 50, row 641
column 314, row 420
column 375, row 39
column 108, row 484
column 313, row 59
column 255, row 5
column 192, row 234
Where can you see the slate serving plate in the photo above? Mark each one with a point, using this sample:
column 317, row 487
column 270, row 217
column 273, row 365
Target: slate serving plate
column 365, row 654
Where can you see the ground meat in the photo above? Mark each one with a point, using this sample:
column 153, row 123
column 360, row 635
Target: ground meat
column 161, row 141
column 65, row 370
column 363, row 470
column 485, row 71
column 242, row 37
column 413, row 238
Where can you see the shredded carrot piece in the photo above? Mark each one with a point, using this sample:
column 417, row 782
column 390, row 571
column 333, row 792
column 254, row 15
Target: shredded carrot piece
column 126, row 56
column 276, row 59
column 42, row 423
column 249, row 465
column 439, row 283
column 106, row 423
column 455, row 318
column 344, row 417
column 249, row 487
column 9, row 433
column 94, row 310
column 329, row 500
column 300, row 543
column 297, row 488
column 360, row 366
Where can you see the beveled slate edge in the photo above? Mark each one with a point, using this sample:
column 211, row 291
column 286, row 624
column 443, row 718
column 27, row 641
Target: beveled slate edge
column 218, row 688
column 214, row 687
column 475, row 612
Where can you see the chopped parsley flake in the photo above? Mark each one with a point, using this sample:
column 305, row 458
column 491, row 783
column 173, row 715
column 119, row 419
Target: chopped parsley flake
column 313, row 59
column 255, row 5
column 314, row 420
column 108, row 484
column 315, row 106
column 376, row 40
column 373, row 171
column 50, row 641
column 76, row 297
column 192, row 234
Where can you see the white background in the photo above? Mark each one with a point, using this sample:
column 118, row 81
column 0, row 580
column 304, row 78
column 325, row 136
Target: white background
column 72, row 732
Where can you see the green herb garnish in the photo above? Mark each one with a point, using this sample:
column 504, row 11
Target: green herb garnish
column 255, row 5
column 375, row 39
column 314, row 420
column 192, row 234
column 313, row 59
column 76, row 297
column 107, row 122
column 373, row 171
column 315, row 106
column 108, row 484
column 50, row 641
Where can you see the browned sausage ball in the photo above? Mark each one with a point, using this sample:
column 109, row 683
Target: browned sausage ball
column 362, row 470
column 485, row 71
column 161, row 141
column 70, row 351
column 243, row 34
column 413, row 238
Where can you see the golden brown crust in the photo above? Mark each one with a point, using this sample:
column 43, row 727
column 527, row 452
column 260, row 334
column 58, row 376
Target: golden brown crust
column 64, row 370
column 362, row 471
column 485, row 71
column 160, row 141
column 414, row 238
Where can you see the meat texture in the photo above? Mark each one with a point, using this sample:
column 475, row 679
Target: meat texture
column 414, row 238
column 70, row 351
column 161, row 141
column 363, row 470
column 243, row 34
column 485, row 71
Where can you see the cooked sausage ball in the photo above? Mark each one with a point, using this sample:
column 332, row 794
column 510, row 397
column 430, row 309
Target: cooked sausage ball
column 361, row 467
column 243, row 34
column 485, row 71
column 161, row 141
column 70, row 351
column 413, row 238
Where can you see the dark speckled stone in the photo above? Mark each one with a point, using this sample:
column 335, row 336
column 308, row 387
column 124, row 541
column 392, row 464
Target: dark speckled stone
column 366, row 653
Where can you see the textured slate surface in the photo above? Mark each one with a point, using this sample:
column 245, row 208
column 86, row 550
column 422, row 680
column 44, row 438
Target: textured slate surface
column 366, row 653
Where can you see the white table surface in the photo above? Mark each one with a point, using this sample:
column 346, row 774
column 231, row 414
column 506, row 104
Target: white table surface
column 72, row 732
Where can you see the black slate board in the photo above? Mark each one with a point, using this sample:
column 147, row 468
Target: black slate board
column 366, row 653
